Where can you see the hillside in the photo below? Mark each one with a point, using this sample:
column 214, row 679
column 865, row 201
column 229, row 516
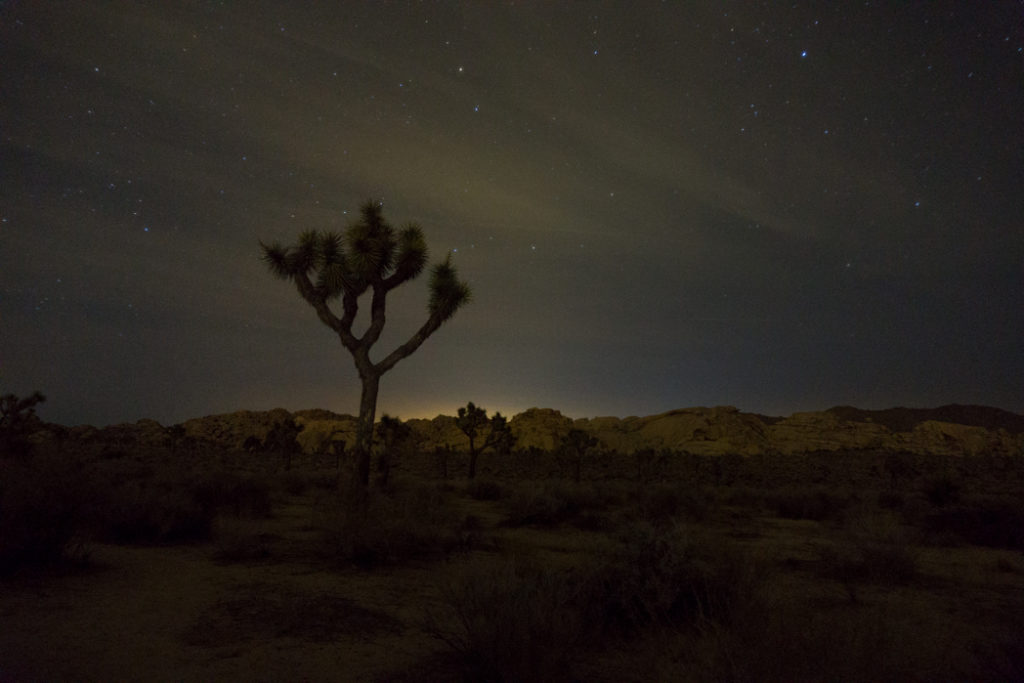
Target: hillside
column 947, row 430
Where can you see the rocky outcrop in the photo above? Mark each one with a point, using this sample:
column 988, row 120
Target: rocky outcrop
column 541, row 428
column 803, row 432
column 230, row 430
column 706, row 431
column 321, row 431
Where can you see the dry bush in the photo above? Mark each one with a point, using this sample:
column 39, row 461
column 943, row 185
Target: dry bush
column 372, row 527
column 872, row 549
column 506, row 620
column 43, row 501
column 986, row 520
column 661, row 504
column 485, row 489
column 548, row 504
column 813, row 502
column 670, row 576
column 786, row 640
column 170, row 505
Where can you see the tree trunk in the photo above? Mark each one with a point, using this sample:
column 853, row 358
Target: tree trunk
column 364, row 440
column 472, row 458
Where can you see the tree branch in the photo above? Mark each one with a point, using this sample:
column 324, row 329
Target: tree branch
column 377, row 317
column 406, row 349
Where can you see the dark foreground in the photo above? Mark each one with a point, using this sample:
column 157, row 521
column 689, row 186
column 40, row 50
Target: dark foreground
column 163, row 565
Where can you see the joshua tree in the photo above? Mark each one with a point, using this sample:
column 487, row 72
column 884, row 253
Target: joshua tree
column 393, row 435
column 577, row 442
column 470, row 420
column 283, row 438
column 17, row 417
column 370, row 256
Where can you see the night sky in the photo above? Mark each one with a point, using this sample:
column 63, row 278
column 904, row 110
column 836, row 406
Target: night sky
column 777, row 206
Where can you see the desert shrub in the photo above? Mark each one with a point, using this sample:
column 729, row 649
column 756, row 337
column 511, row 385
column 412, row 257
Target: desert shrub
column 886, row 640
column 239, row 494
column 873, row 549
column 942, row 489
column 815, row 503
column 506, row 620
column 147, row 512
column 146, row 505
column 41, row 513
column 668, row 576
column 993, row 521
column 484, row 489
column 662, row 504
column 745, row 497
column 373, row 527
column 552, row 503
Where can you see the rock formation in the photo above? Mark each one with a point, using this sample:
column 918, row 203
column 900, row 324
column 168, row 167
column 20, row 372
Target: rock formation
column 705, row 431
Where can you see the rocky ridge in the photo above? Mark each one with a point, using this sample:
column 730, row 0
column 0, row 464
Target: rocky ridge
column 949, row 430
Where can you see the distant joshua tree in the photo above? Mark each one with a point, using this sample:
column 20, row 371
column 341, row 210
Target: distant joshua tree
column 17, row 418
column 394, row 434
column 283, row 439
column 471, row 420
column 577, row 443
column 370, row 256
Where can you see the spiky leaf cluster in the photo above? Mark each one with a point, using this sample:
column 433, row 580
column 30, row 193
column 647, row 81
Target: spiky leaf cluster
column 369, row 253
column 447, row 293
column 470, row 419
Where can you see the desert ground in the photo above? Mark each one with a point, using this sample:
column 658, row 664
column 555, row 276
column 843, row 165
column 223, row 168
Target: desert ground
column 157, row 563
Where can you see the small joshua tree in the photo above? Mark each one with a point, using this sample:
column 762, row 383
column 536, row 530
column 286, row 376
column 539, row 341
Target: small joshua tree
column 283, row 438
column 369, row 257
column 577, row 442
column 393, row 435
column 471, row 420
column 17, row 417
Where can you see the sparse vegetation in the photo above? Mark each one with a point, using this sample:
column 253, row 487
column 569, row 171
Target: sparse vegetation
column 771, row 568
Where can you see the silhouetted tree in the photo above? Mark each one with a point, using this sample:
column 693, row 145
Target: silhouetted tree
column 332, row 446
column 393, row 434
column 576, row 443
column 17, row 418
column 282, row 438
column 373, row 257
column 471, row 420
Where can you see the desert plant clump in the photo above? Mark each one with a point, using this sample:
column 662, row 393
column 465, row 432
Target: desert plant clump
column 173, row 506
column 996, row 521
column 506, row 619
column 485, row 489
column 43, row 508
column 816, row 503
column 551, row 503
column 670, row 577
column 661, row 504
column 369, row 528
column 871, row 549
